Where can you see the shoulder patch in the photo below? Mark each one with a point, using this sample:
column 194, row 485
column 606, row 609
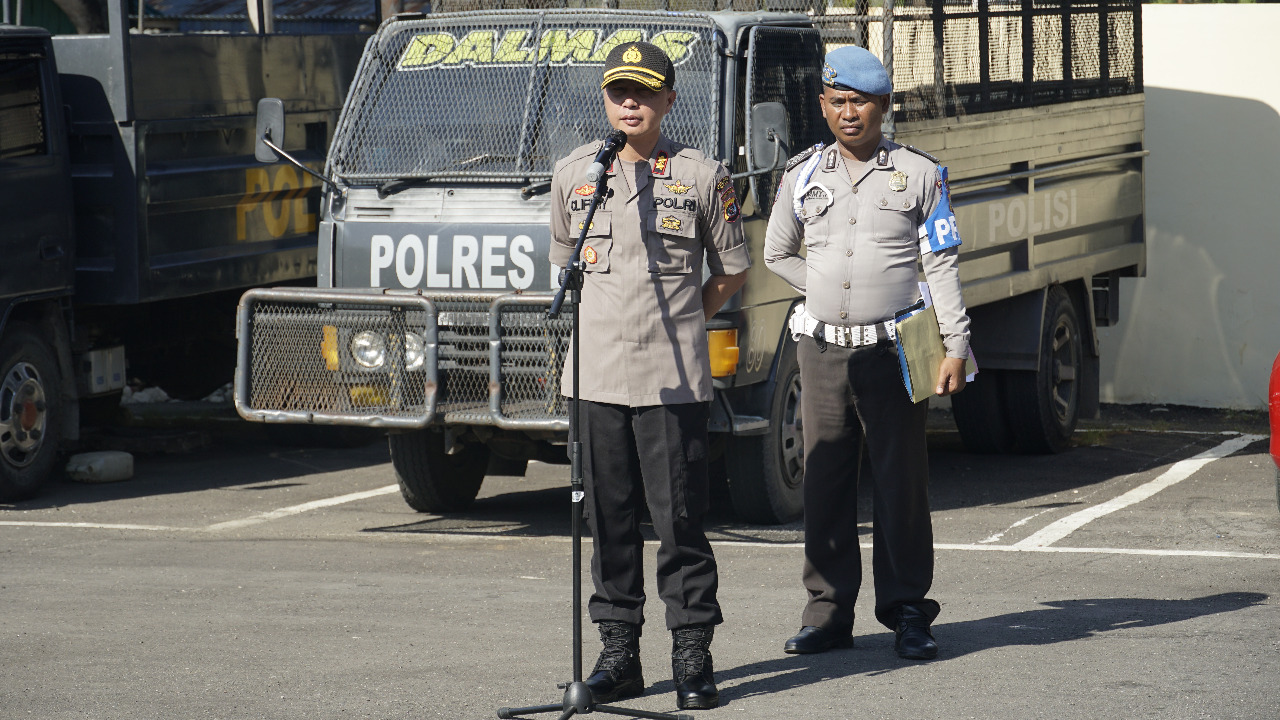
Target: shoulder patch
column 796, row 160
column 923, row 154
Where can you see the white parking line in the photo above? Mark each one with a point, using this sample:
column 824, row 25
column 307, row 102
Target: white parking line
column 1180, row 471
column 1038, row 542
column 96, row 526
column 499, row 537
column 304, row 507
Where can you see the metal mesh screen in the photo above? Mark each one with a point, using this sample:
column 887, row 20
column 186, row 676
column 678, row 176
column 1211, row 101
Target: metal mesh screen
column 301, row 360
column 463, row 374
column 21, row 109
column 497, row 95
column 290, row 372
column 957, row 57
column 774, row 78
column 532, row 358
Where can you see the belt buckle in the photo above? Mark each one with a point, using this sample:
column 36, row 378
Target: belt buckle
column 846, row 336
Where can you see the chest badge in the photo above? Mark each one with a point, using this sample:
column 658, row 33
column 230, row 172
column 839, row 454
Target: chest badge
column 592, row 227
column 670, row 223
column 590, row 255
column 898, row 181
column 678, row 187
column 585, row 191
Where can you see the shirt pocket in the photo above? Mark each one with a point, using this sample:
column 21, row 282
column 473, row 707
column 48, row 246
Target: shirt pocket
column 671, row 241
column 598, row 244
column 895, row 219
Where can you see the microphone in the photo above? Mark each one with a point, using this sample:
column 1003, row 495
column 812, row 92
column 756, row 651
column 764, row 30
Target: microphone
column 613, row 142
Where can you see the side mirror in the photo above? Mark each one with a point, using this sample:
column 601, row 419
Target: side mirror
column 770, row 141
column 270, row 127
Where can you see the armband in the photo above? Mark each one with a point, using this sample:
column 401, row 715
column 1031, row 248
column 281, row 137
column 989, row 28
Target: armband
column 939, row 230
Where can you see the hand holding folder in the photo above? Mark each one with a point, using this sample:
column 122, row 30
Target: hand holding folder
column 920, row 350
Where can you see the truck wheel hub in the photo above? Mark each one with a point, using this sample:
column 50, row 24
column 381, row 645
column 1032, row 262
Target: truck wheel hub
column 22, row 414
column 792, row 435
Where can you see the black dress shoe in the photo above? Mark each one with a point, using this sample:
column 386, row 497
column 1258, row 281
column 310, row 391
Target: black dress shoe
column 812, row 639
column 912, row 638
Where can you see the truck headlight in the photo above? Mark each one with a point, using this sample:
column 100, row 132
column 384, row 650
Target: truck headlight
column 413, row 351
column 369, row 349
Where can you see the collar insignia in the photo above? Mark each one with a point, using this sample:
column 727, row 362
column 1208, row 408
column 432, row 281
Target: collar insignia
column 660, row 165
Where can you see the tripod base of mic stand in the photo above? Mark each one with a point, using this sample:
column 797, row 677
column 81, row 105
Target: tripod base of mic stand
column 578, row 700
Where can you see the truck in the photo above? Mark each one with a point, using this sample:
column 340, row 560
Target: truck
column 430, row 315
column 135, row 213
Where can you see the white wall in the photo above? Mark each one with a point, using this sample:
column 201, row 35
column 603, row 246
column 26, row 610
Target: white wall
column 1203, row 327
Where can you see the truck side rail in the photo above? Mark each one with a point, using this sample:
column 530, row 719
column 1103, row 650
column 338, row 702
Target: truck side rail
column 1045, row 171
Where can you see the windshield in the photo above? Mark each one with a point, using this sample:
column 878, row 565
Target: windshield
column 503, row 95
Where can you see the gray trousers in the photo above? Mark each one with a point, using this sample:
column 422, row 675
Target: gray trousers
column 656, row 454
column 849, row 395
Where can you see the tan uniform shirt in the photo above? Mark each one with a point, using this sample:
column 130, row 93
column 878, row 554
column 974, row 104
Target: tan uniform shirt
column 861, row 250
column 644, row 338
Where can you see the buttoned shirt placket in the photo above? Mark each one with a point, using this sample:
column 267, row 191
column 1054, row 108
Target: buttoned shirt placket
column 858, row 248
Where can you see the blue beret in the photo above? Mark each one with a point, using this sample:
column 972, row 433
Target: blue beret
column 857, row 69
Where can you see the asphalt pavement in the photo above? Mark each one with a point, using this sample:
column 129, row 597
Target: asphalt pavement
column 241, row 574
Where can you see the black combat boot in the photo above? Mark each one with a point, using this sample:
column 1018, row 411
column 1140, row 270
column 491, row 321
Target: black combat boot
column 691, row 667
column 912, row 638
column 617, row 673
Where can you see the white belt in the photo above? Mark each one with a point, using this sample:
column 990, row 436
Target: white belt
column 802, row 323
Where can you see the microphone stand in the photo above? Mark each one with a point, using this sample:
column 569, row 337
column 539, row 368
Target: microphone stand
column 577, row 696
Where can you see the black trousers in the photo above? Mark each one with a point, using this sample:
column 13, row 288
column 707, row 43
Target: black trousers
column 658, row 453
column 849, row 395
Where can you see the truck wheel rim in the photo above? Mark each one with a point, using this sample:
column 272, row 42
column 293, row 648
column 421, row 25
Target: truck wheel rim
column 22, row 415
column 1064, row 370
column 791, row 435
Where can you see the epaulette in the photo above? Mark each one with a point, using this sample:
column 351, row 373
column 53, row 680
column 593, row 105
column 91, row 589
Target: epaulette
column 923, row 154
column 800, row 158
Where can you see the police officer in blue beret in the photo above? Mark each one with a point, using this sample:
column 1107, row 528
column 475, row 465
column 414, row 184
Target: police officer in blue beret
column 865, row 210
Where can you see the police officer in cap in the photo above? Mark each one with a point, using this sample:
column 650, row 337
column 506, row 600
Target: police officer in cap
column 859, row 209
column 646, row 377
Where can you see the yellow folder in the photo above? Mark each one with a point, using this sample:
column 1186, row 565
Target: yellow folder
column 920, row 351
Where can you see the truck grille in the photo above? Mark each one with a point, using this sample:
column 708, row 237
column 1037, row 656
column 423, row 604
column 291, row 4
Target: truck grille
column 489, row 359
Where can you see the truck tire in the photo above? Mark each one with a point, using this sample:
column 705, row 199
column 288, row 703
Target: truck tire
column 432, row 480
column 766, row 472
column 979, row 413
column 1043, row 406
column 30, row 412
